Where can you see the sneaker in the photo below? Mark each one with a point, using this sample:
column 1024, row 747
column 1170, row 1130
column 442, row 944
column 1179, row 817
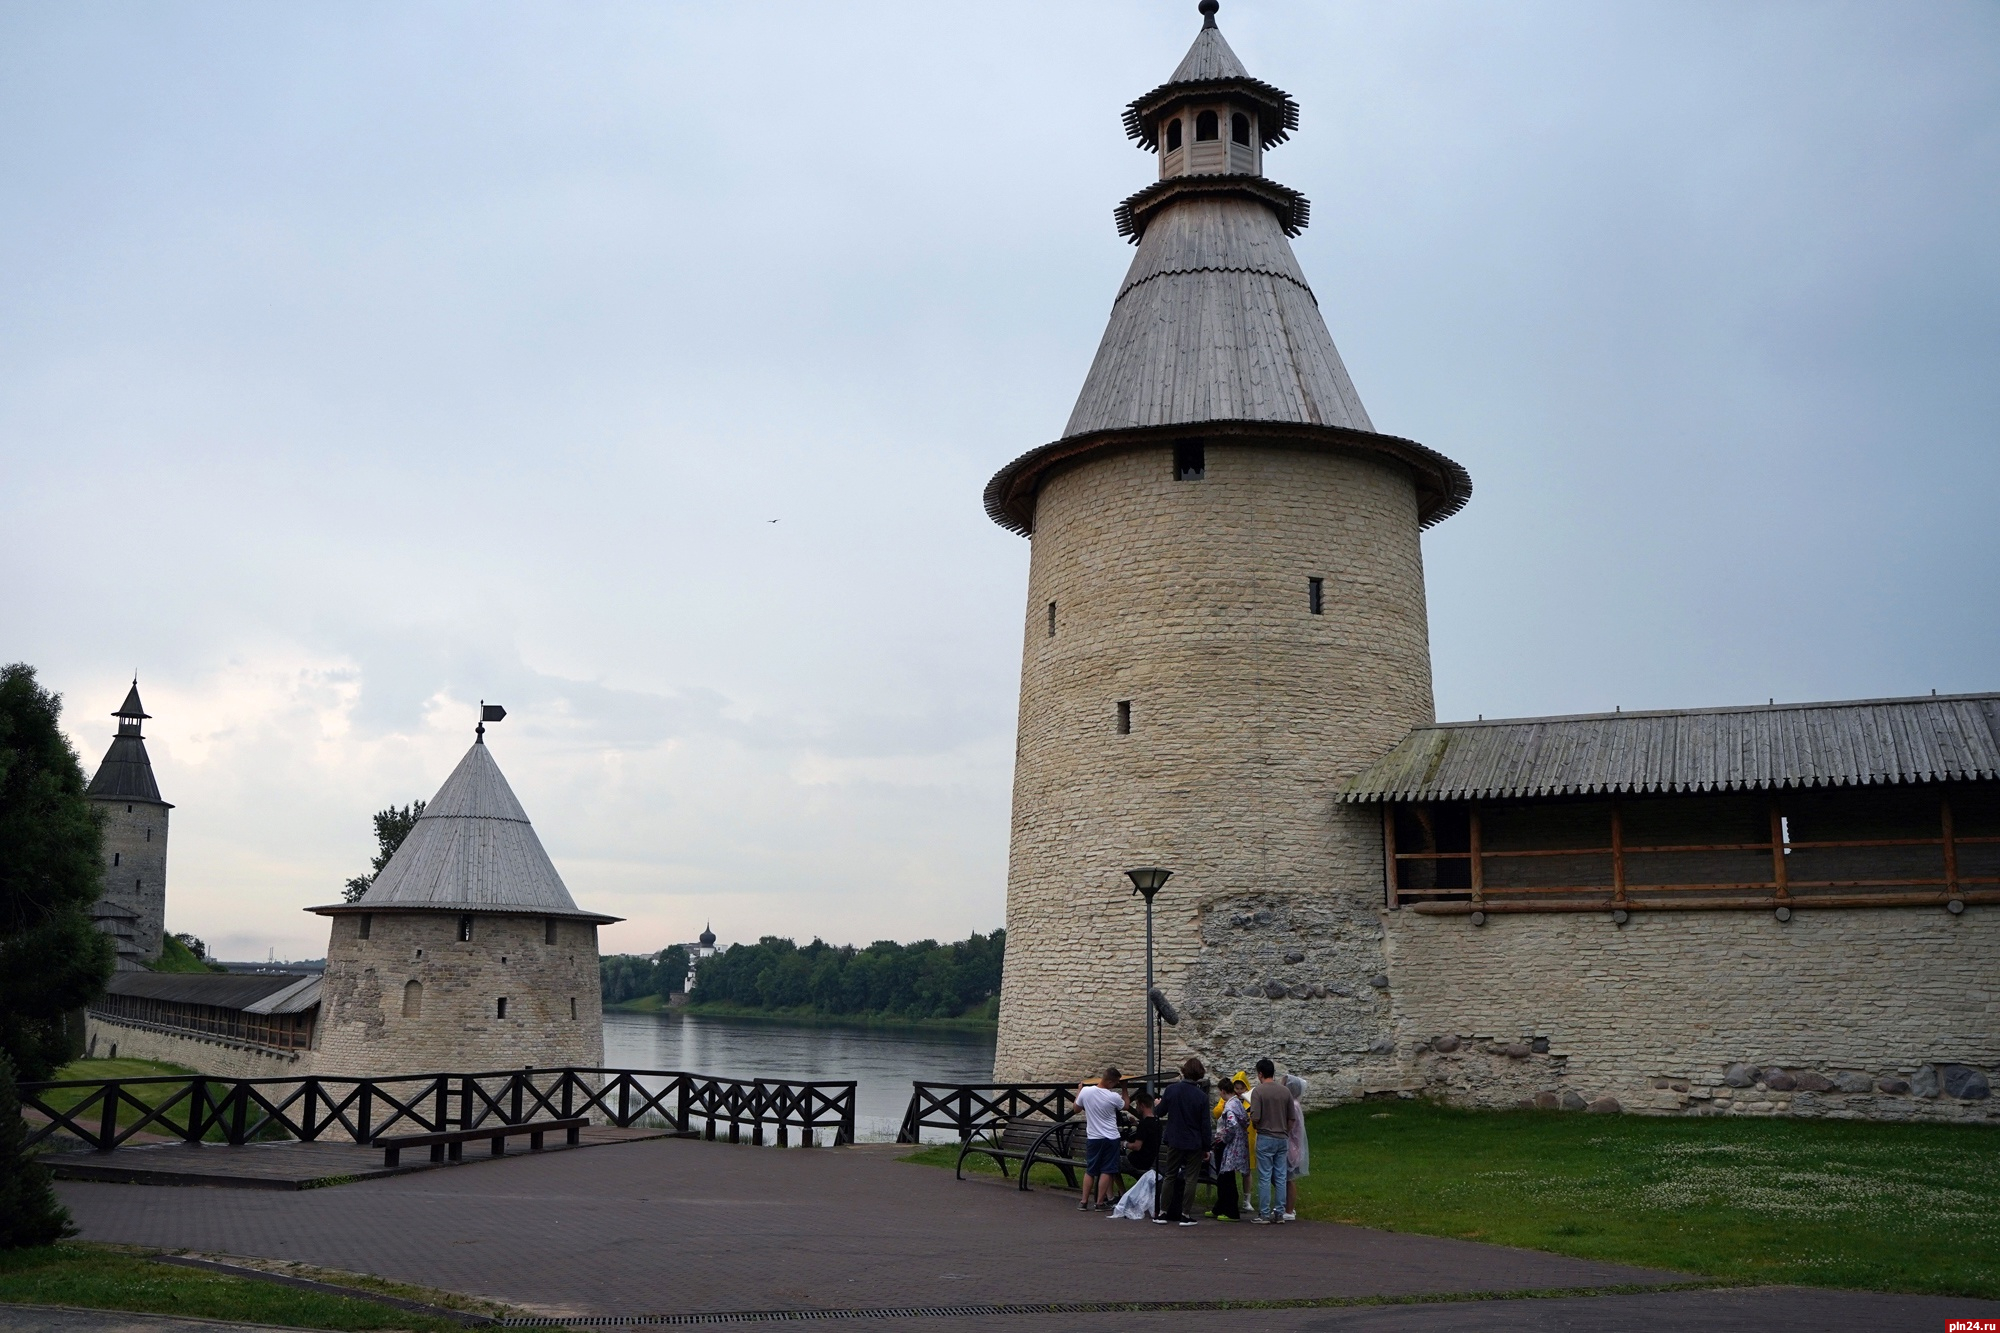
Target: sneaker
column 1162, row 1221
column 1084, row 1206
column 1291, row 1217
column 1260, row 1219
column 1188, row 1222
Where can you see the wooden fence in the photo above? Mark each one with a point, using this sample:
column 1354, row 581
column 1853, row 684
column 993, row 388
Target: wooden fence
column 967, row 1108
column 105, row 1113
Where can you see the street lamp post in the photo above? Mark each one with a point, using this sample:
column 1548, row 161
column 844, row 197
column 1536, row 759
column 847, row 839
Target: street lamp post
column 1146, row 881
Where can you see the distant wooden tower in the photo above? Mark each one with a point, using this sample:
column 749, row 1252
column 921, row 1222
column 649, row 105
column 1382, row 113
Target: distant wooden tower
column 133, row 908
column 1225, row 620
column 467, row 953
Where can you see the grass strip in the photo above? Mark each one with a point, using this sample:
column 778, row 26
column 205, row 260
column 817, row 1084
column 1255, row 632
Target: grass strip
column 1105, row 1307
column 1810, row 1202
column 100, row 1278
column 323, row 1288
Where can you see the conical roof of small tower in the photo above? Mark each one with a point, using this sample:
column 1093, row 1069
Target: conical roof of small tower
column 1215, row 331
column 472, row 850
column 127, row 771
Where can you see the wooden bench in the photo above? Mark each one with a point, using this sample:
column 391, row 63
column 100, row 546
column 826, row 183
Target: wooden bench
column 1031, row 1142
column 452, row 1141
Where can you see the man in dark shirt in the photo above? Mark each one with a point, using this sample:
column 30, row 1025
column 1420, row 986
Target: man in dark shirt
column 1187, row 1134
column 1142, row 1150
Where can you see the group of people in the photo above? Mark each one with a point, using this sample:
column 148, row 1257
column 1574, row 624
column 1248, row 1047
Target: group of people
column 1234, row 1126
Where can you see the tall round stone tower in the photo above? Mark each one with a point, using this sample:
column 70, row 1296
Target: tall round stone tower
column 1225, row 620
column 467, row 953
column 133, row 908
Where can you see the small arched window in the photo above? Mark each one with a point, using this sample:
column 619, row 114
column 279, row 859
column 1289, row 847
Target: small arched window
column 413, row 999
column 1239, row 128
column 1173, row 134
column 1205, row 127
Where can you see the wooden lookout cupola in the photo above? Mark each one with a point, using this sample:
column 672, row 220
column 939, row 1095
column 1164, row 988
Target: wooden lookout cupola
column 1211, row 118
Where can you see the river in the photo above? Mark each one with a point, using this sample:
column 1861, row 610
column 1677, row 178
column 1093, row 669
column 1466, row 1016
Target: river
column 883, row 1062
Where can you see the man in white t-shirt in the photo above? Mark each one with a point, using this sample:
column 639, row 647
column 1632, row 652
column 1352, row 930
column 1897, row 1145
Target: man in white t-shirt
column 1100, row 1103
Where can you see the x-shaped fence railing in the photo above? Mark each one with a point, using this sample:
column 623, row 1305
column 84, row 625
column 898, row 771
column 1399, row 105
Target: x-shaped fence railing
column 105, row 1113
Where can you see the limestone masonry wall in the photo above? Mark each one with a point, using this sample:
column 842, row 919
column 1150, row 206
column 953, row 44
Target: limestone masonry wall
column 217, row 1056
column 1888, row 1013
column 1189, row 600
column 135, row 838
column 554, row 1007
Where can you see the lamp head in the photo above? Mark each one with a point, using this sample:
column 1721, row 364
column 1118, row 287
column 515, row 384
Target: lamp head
column 1146, row 880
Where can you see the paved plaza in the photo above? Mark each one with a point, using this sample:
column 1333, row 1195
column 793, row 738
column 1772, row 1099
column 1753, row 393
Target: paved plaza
column 677, row 1227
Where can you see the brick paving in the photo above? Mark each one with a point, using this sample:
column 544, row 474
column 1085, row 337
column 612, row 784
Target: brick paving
column 675, row 1227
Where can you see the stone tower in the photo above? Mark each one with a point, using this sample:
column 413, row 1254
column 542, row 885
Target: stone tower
column 1225, row 620
column 133, row 910
column 467, row 953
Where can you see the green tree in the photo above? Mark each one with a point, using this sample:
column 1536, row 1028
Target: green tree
column 29, row 1212
column 391, row 827
column 53, row 960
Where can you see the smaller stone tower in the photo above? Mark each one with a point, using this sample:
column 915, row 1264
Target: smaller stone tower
column 133, row 910
column 467, row 953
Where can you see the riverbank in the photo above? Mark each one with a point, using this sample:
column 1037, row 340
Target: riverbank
column 807, row 1017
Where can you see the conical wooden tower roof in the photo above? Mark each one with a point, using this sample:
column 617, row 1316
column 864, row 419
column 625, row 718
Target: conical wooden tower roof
column 472, row 850
column 1215, row 330
column 127, row 771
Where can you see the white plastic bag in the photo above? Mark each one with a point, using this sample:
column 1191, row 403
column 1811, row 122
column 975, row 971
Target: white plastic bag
column 1137, row 1202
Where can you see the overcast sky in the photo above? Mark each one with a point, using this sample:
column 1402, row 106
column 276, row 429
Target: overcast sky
column 361, row 361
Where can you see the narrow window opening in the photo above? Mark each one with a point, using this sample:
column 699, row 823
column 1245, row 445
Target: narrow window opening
column 1239, row 128
column 1173, row 134
column 464, row 929
column 1124, row 717
column 128, row 809
column 420, row 955
column 149, row 835
column 549, row 931
column 503, row 1007
column 1052, row 620
column 1316, row 596
column 1785, row 832
column 1205, row 127
column 367, row 923
column 138, row 883
column 572, row 1008
column 413, row 998
column 1190, row 461
column 115, row 857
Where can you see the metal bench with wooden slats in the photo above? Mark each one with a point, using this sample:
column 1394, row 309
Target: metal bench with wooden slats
column 1031, row 1142
column 452, row 1141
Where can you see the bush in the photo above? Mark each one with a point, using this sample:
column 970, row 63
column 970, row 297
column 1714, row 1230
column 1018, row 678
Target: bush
column 29, row 1213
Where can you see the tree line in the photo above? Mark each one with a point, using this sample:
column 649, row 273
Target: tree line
column 634, row 976
column 886, row 979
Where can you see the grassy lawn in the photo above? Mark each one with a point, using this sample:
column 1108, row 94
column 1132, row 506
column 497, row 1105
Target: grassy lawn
column 1814, row 1202
column 99, row 1278
column 151, row 1094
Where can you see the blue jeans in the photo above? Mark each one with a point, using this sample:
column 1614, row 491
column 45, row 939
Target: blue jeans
column 1272, row 1167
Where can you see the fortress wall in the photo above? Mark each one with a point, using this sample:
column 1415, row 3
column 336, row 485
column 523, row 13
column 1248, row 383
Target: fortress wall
column 554, row 1005
column 1189, row 599
column 217, row 1056
column 1655, row 1013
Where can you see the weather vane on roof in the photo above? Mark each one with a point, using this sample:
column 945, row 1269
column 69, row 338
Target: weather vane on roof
column 487, row 713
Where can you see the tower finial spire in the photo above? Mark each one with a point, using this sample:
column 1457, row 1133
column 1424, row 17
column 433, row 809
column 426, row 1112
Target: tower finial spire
column 1208, row 8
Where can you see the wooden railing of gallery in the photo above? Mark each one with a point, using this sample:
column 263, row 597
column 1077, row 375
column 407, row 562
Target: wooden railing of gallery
column 1619, row 882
